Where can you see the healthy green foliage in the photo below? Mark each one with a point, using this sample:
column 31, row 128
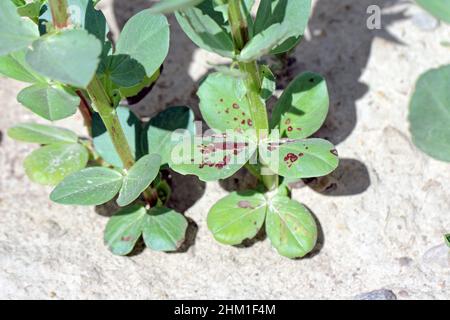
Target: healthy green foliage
column 52, row 163
column 68, row 56
column 139, row 178
column 88, row 187
column 438, row 8
column 162, row 229
column 14, row 66
column 42, row 134
column 430, row 113
column 49, row 101
column 16, row 33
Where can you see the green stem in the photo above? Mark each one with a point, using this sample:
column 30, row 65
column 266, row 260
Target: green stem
column 253, row 83
column 60, row 15
column 107, row 112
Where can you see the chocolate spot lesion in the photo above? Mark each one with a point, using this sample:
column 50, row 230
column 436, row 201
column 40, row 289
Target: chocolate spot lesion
column 245, row 205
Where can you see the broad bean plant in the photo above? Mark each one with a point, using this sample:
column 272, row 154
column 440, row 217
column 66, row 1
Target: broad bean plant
column 233, row 102
column 61, row 49
column 429, row 115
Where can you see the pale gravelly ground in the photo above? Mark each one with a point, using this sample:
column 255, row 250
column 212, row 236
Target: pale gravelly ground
column 382, row 221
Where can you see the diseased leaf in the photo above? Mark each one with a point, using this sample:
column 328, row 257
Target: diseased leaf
column 42, row 134
column 164, row 229
column 222, row 106
column 88, row 187
column 132, row 128
column 69, row 56
column 14, row 66
column 302, row 108
column 124, row 229
column 299, row 158
column 278, row 27
column 438, row 8
column 16, row 33
column 51, row 164
column 207, row 28
column 50, row 102
column 290, row 227
column 145, row 38
column 139, row 178
column 213, row 157
column 169, row 6
column 430, row 113
column 167, row 125
column 237, row 217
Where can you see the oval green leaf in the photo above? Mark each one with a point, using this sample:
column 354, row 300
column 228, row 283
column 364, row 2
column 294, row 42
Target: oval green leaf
column 429, row 115
column 145, row 38
column 164, row 229
column 290, row 227
column 300, row 158
column 138, row 178
column 42, row 134
column 16, row 33
column 161, row 129
column 124, row 229
column 49, row 165
column 88, row 187
column 302, row 108
column 237, row 217
column 50, row 102
column 221, row 104
column 69, row 56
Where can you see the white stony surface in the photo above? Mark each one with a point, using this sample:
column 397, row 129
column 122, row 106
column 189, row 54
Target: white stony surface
column 383, row 231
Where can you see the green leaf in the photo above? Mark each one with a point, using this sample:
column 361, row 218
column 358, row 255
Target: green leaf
column 169, row 6
column 145, row 38
column 237, row 217
column 206, row 28
column 131, row 126
column 124, row 229
column 161, row 129
column 69, row 56
column 222, row 105
column 213, row 157
column 51, row 164
column 302, row 108
column 14, row 66
column 300, row 158
column 31, row 10
column 139, row 178
column 164, row 229
column 42, row 134
column 447, row 239
column 290, row 227
column 88, row 187
column 95, row 21
column 122, row 70
column 50, row 102
column 269, row 83
column 278, row 26
column 429, row 115
column 135, row 90
column 438, row 8
column 16, row 33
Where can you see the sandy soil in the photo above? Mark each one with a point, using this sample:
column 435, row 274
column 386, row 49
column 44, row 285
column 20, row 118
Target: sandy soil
column 382, row 213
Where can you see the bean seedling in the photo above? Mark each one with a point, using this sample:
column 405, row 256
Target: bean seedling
column 429, row 115
column 61, row 48
column 233, row 103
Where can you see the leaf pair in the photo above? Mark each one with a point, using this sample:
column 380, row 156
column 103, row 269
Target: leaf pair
column 98, row 185
column 278, row 27
column 154, row 137
column 289, row 225
column 162, row 229
column 60, row 156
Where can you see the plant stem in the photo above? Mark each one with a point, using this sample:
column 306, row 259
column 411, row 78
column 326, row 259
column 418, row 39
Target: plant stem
column 60, row 15
column 253, row 83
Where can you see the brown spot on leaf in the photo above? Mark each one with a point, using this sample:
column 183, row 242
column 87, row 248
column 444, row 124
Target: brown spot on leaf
column 290, row 129
column 235, row 106
column 245, row 205
column 250, row 122
column 127, row 239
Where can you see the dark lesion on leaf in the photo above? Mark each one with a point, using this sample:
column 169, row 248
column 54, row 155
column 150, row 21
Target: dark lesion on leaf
column 245, row 205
